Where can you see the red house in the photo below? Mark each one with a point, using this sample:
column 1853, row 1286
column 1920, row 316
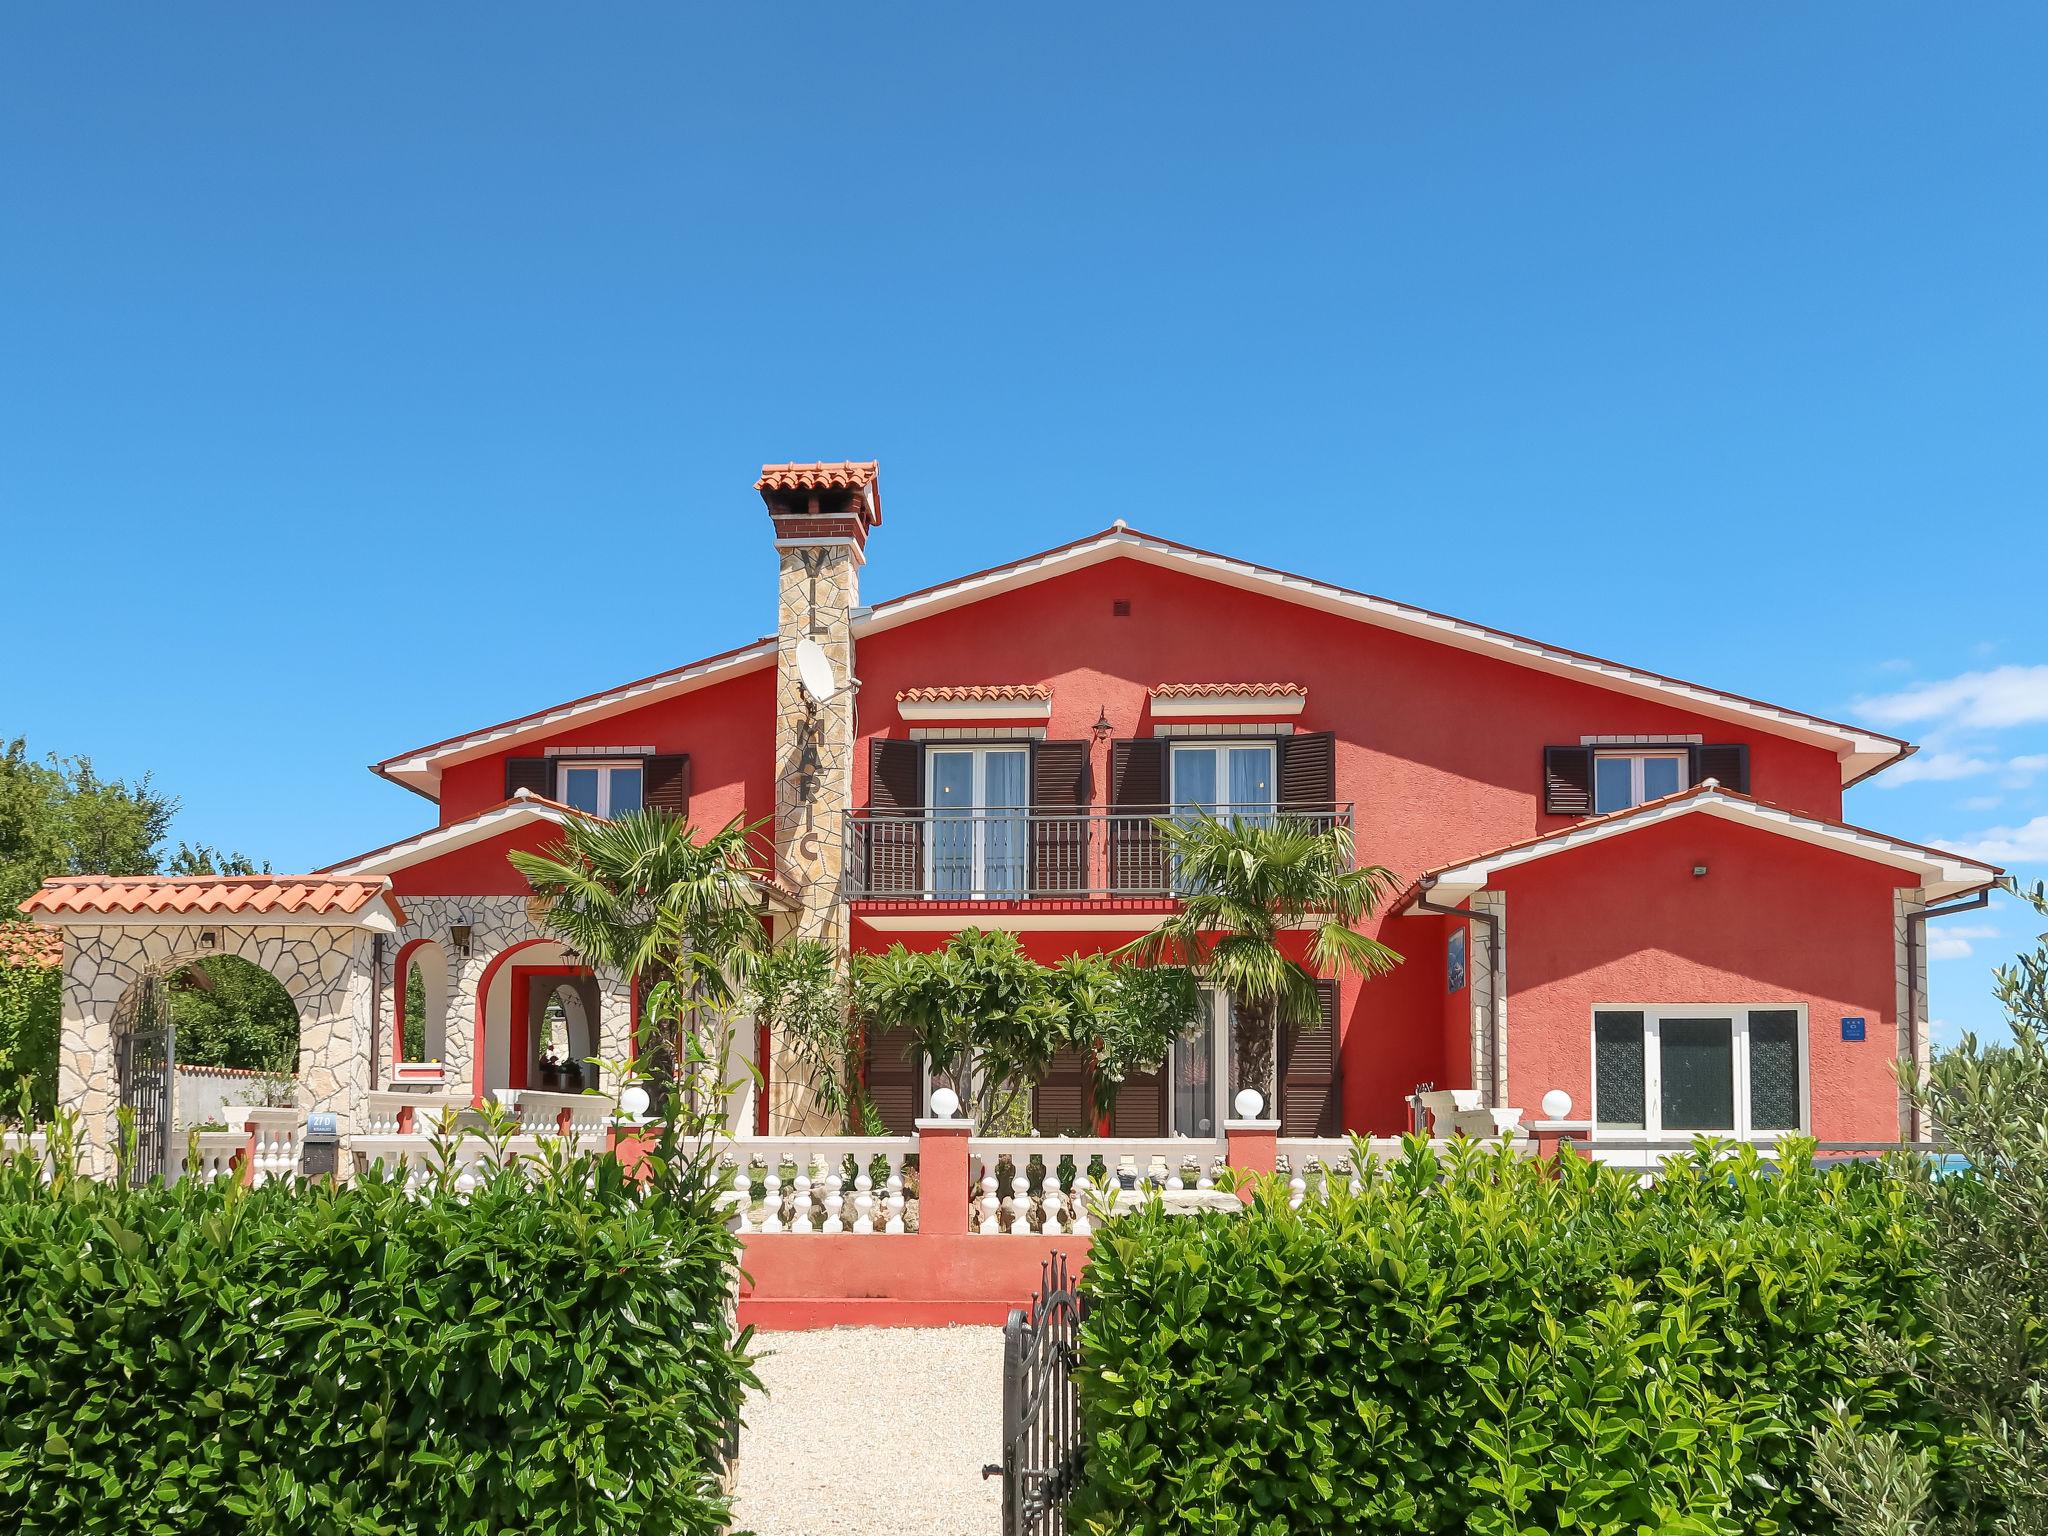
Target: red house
column 1637, row 890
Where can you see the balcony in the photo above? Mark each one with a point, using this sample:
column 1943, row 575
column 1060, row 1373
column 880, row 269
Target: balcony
column 1030, row 854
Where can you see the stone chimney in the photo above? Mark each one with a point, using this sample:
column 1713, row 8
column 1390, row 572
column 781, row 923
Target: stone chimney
column 822, row 514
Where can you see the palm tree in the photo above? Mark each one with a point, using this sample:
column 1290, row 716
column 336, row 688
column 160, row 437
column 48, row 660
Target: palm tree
column 1243, row 883
column 640, row 894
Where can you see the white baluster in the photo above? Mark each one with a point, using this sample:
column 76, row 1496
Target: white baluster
column 771, row 1187
column 1205, row 1173
column 1297, row 1190
column 991, row 1205
column 895, row 1201
column 863, row 1197
column 835, row 1181
column 800, row 1192
column 1173, row 1171
column 1018, row 1205
column 742, row 1194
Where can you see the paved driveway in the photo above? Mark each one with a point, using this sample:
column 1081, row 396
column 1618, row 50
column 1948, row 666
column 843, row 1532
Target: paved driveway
column 874, row 1432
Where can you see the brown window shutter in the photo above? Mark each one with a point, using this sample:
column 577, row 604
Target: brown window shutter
column 1568, row 781
column 665, row 784
column 1310, row 1076
column 1727, row 765
column 1059, row 827
column 892, row 1079
column 894, row 827
column 1308, row 773
column 1059, row 1100
column 1137, row 787
column 1140, row 1106
column 536, row 775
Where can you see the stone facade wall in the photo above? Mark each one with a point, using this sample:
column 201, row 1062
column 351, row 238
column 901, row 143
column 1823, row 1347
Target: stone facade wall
column 1909, row 990
column 497, row 924
column 1489, row 1052
column 326, row 972
column 814, row 743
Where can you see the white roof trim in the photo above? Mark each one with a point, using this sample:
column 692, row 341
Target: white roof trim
column 421, row 770
column 375, row 916
column 1941, row 874
column 433, row 843
column 1859, row 752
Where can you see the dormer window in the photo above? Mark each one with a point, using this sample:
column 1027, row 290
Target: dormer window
column 1624, row 779
column 603, row 789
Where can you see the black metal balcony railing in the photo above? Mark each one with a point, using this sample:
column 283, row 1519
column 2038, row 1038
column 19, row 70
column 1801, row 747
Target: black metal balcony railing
column 1027, row 853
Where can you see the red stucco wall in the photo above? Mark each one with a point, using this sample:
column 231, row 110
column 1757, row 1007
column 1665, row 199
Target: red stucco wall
column 727, row 728
column 1773, row 921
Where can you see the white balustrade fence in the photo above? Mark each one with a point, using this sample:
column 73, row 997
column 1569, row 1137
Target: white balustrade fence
column 820, row 1184
column 418, row 1160
column 1048, row 1185
column 211, row 1154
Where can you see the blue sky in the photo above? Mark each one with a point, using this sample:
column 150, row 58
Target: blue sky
column 371, row 372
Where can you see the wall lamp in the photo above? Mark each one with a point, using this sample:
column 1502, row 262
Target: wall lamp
column 209, row 938
column 1102, row 728
column 459, row 936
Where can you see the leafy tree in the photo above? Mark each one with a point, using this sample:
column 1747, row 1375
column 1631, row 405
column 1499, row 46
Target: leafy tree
column 415, row 1015
column 1246, row 883
column 205, row 859
column 230, row 1013
column 31, row 1010
column 1124, row 1018
column 799, row 991
column 1982, row 1353
column 59, row 817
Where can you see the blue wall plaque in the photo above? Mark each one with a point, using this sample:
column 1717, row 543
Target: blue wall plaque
column 1852, row 1029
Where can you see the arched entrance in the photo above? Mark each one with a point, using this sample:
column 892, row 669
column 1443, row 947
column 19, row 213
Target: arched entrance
column 192, row 1033
column 531, row 993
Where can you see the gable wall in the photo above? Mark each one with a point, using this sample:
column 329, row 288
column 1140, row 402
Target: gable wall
column 1773, row 920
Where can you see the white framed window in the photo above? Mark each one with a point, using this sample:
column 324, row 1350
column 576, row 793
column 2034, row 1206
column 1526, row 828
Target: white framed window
column 1623, row 779
column 979, row 819
column 1681, row 1070
column 1197, row 1071
column 1230, row 778
column 603, row 789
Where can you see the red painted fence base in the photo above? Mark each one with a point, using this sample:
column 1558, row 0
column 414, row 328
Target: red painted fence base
column 902, row 1280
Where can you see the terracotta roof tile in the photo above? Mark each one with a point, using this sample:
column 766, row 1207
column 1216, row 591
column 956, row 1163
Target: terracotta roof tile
column 187, row 894
column 1230, row 690
column 25, row 944
column 817, row 477
column 979, row 693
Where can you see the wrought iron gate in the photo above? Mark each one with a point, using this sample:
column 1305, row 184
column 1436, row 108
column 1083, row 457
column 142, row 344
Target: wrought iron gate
column 145, row 1062
column 1042, row 1452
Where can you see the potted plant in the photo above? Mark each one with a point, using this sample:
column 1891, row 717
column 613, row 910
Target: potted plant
column 572, row 1077
column 551, row 1068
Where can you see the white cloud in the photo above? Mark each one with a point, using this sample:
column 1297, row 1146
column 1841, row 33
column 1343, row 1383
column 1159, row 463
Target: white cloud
column 2001, row 696
column 2024, row 844
column 1927, row 767
column 1953, row 942
column 1982, row 802
column 2022, row 771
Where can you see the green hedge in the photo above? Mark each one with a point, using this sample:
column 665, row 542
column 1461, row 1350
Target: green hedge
column 1474, row 1344
column 554, row 1355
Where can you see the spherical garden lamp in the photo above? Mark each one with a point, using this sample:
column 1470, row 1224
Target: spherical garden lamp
column 945, row 1103
column 633, row 1102
column 1557, row 1105
column 1248, row 1103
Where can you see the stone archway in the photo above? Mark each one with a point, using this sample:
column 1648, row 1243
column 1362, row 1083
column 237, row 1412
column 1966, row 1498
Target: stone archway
column 315, row 935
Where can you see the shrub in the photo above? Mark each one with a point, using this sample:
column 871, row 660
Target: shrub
column 550, row 1354
column 1472, row 1343
column 31, row 1005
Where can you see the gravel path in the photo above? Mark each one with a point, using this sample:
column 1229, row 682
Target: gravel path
column 874, row 1432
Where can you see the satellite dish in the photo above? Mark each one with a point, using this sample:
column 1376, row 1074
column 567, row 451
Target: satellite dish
column 815, row 671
